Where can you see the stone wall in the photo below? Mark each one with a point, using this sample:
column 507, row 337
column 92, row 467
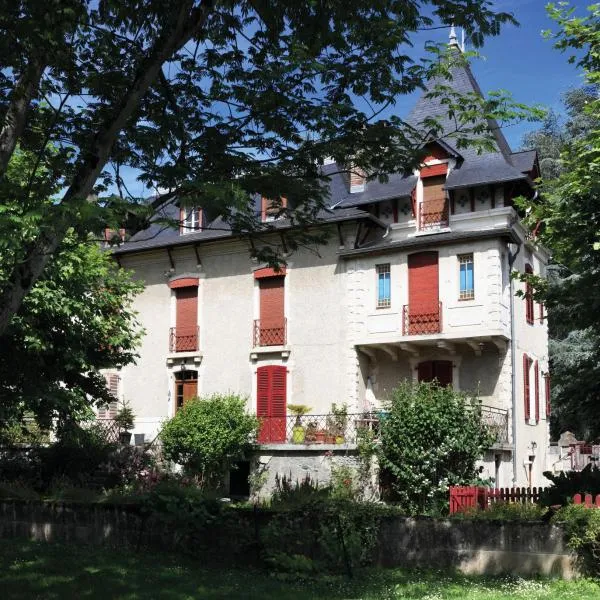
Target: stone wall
column 473, row 547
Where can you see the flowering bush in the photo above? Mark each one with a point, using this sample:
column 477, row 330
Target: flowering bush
column 430, row 439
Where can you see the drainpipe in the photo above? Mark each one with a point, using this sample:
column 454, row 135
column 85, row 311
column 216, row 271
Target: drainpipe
column 513, row 356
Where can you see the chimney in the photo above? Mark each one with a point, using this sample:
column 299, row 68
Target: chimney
column 357, row 179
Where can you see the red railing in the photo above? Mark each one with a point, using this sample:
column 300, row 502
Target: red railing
column 183, row 339
column 466, row 498
column 422, row 319
column 433, row 214
column 269, row 336
column 315, row 429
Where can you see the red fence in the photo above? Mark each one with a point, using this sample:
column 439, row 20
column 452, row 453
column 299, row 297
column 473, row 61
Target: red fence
column 587, row 499
column 464, row 498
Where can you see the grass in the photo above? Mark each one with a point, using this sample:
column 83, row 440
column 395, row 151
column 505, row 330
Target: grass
column 46, row 572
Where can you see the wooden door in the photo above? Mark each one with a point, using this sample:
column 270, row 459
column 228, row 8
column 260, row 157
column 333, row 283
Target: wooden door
column 271, row 407
column 186, row 319
column 186, row 388
column 423, row 293
column 272, row 311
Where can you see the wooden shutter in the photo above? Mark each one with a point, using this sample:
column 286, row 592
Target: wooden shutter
column 529, row 309
column 438, row 171
column 271, row 393
column 526, row 392
column 547, row 389
column 537, row 392
column 109, row 411
column 186, row 322
column 413, row 202
column 272, row 311
column 423, row 293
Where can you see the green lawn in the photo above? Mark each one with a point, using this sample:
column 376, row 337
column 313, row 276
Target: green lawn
column 38, row 571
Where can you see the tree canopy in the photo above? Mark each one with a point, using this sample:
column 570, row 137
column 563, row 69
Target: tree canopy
column 217, row 100
column 568, row 209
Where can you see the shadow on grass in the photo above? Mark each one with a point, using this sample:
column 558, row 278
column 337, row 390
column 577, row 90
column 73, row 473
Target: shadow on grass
column 47, row 571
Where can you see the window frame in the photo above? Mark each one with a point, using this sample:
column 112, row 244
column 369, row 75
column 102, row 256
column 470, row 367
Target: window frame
column 385, row 301
column 529, row 303
column 465, row 259
column 191, row 219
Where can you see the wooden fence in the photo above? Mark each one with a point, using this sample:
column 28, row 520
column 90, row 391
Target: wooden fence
column 465, row 498
column 587, row 500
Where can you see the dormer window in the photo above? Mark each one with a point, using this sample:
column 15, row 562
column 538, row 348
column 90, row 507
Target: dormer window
column 270, row 209
column 190, row 219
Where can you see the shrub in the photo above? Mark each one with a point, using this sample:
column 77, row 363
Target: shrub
column 294, row 494
column 505, row 511
column 582, row 526
column 431, row 439
column 566, row 484
column 207, row 435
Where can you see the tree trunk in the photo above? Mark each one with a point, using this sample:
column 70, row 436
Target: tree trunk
column 24, row 275
column 14, row 120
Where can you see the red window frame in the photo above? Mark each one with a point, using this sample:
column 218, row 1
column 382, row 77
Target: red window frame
column 529, row 308
column 526, row 387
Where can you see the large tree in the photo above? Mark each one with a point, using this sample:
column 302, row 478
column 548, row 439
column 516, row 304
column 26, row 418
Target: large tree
column 76, row 320
column 218, row 99
column 568, row 210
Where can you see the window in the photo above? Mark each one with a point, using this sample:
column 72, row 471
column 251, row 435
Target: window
column 547, row 389
column 383, row 286
column 467, row 281
column 435, row 370
column 526, row 387
column 529, row 314
column 186, row 387
column 270, row 209
column 191, row 219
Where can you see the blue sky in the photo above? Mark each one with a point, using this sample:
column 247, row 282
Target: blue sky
column 520, row 61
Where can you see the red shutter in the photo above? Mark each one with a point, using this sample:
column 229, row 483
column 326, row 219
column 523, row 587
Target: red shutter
column 186, row 324
column 271, row 391
column 547, row 386
column 423, row 293
column 272, row 312
column 529, row 309
column 526, row 386
column 537, row 392
column 413, row 202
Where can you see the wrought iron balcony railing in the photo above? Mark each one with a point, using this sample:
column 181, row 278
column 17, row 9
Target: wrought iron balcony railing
column 268, row 335
column 315, row 429
column 184, row 339
column 497, row 421
column 433, row 214
column 422, row 319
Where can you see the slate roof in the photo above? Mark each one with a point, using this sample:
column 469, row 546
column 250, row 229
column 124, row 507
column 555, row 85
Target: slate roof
column 162, row 235
column 495, row 166
column 524, row 160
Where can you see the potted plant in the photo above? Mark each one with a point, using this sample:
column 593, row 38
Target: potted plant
column 338, row 421
column 124, row 421
column 310, row 436
column 298, row 430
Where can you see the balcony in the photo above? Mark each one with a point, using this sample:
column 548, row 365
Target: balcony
column 269, row 336
column 183, row 339
column 497, row 421
column 422, row 319
column 313, row 430
column 433, row 214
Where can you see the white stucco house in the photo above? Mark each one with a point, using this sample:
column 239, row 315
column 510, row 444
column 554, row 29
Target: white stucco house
column 413, row 284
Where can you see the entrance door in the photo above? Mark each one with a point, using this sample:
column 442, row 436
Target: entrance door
column 186, row 387
column 423, row 293
column 438, row 370
column 271, row 391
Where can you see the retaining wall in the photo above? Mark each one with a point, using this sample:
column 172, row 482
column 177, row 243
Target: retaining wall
column 473, row 547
